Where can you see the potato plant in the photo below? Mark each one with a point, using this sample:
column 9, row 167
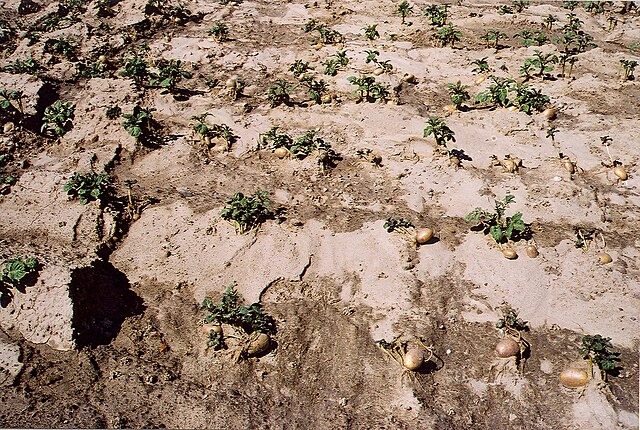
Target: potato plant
column 396, row 223
column 480, row 65
column 492, row 38
column 87, row 187
column 511, row 328
column 169, row 74
column 327, row 156
column 29, row 66
column 530, row 38
column 448, row 35
column 542, row 62
column 136, row 66
column 412, row 356
column 229, row 311
column 528, row 99
column 113, row 112
column 88, row 69
column 16, row 274
column 585, row 235
column 12, row 105
column 335, row 63
column 594, row 7
column 368, row 155
column 298, row 68
column 563, row 59
column 502, row 229
column 459, row 93
column 305, row 144
column 326, row 35
column 178, row 14
column 372, row 56
column 315, row 88
column 16, row 270
column 597, row 350
column 438, row 128
column 208, row 132
column 279, row 93
column 573, row 38
column 404, row 10
column 57, row 118
column 247, row 212
column 61, row 48
column 371, row 32
column 139, row 123
column 437, row 14
column 497, row 93
column 628, row 67
column 549, row 21
column 219, row 31
column 274, row 140
column 6, row 182
column 368, row 88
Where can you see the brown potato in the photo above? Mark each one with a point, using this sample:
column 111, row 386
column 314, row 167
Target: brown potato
column 507, row 348
column 509, row 253
column 423, row 235
column 413, row 359
column 573, row 378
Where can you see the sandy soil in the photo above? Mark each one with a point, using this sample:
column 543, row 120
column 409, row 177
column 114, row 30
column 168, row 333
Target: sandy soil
column 110, row 333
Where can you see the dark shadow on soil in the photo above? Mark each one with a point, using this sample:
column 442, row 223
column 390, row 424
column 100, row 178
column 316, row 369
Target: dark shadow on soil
column 102, row 299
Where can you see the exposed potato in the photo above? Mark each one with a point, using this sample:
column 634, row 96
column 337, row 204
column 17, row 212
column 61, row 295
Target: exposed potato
column 509, row 253
column 423, row 235
column 413, row 359
column 620, row 172
column 605, row 258
column 532, row 251
column 550, row 113
column 573, row 378
column 507, row 348
column 259, row 344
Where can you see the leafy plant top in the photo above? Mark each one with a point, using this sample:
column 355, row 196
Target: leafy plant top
column 404, row 9
column 501, row 228
column 136, row 66
column 139, row 123
column 510, row 320
column 57, row 117
column 396, row 223
column 279, row 93
column 88, row 186
column 437, row 14
column 597, row 349
column 327, row 36
column 448, row 35
column 368, row 88
column 335, row 63
column 371, row 32
column 458, row 92
column 438, row 128
column 250, row 318
column 273, row 139
column 247, row 212
column 17, row 269
column 170, row 72
column 305, row 144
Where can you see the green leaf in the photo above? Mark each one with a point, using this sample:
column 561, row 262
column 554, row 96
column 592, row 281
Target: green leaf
column 15, row 270
column 496, row 233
